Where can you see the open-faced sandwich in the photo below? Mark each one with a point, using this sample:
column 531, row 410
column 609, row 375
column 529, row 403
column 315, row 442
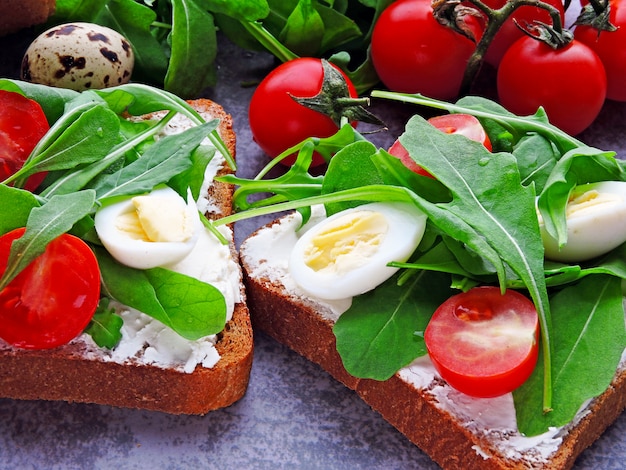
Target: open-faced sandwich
column 115, row 288
column 475, row 301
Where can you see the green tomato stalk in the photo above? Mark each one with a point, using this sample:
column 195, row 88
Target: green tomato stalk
column 450, row 13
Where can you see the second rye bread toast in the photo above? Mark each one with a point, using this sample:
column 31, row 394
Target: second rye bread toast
column 456, row 431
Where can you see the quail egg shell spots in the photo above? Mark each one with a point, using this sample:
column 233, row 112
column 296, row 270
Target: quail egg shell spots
column 148, row 231
column 79, row 56
column 347, row 253
column 596, row 223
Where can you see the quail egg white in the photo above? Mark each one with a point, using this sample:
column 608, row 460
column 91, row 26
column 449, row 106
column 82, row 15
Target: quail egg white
column 347, row 253
column 596, row 222
column 151, row 230
column 78, row 56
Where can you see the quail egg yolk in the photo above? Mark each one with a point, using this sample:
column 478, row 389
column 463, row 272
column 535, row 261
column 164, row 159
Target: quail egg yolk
column 155, row 219
column 349, row 253
column 346, row 244
column 151, row 230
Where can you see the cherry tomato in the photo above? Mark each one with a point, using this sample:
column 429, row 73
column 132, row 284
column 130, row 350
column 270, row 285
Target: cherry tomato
column 611, row 48
column 22, row 125
column 570, row 82
column 53, row 299
column 483, row 343
column 413, row 53
column 277, row 121
column 463, row 124
column 509, row 32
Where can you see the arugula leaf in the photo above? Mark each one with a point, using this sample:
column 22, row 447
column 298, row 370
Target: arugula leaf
column 77, row 178
column 88, row 139
column 341, row 172
column 105, row 325
column 138, row 99
column 339, row 28
column 193, row 178
column 588, row 338
column 294, row 184
column 45, row 223
column 536, row 158
column 557, row 274
column 487, row 110
column 304, row 29
column 81, row 10
column 15, row 207
column 248, row 10
column 160, row 162
column 383, row 329
column 189, row 23
column 192, row 308
column 438, row 258
column 393, row 172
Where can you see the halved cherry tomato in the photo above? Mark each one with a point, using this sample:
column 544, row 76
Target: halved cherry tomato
column 53, row 299
column 22, row 125
column 484, row 343
column 463, row 124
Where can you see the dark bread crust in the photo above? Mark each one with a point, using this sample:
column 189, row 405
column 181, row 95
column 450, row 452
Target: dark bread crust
column 67, row 374
column 411, row 411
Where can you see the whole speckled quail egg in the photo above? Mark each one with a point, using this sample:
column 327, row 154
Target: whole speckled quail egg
column 79, row 56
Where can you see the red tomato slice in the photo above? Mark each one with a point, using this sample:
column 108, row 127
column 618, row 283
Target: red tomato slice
column 53, row 299
column 22, row 125
column 483, row 343
column 463, row 124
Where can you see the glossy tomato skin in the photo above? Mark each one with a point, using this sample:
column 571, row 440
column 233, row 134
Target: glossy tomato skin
column 483, row 343
column 611, row 48
column 22, row 125
column 462, row 124
column 53, row 299
column 277, row 121
column 509, row 32
column 458, row 123
column 413, row 53
column 570, row 83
